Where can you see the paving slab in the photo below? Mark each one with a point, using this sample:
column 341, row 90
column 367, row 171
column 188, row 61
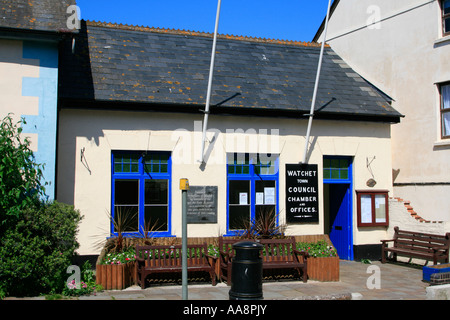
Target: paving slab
column 358, row 281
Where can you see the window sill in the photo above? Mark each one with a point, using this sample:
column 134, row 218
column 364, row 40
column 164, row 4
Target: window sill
column 443, row 40
column 442, row 143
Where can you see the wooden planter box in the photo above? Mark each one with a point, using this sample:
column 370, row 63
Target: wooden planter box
column 115, row 276
column 217, row 265
column 323, row 268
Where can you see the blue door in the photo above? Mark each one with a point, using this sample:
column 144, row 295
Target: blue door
column 337, row 178
column 340, row 219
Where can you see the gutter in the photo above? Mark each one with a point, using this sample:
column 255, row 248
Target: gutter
column 36, row 35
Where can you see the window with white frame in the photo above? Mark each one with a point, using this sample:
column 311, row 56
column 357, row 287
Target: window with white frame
column 445, row 110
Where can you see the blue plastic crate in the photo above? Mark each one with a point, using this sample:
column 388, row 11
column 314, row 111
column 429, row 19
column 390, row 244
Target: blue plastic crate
column 437, row 268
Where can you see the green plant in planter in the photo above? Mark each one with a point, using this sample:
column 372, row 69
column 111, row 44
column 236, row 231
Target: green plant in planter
column 213, row 251
column 263, row 226
column 317, row 249
column 125, row 256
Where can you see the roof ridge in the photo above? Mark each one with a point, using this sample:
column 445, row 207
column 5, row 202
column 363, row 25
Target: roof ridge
column 200, row 34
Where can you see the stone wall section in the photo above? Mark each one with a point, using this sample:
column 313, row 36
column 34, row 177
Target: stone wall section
column 403, row 215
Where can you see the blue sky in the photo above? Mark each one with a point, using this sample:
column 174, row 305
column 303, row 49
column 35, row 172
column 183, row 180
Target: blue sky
column 274, row 19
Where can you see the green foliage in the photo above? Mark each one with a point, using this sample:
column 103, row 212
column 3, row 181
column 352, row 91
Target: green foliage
column 35, row 253
column 20, row 175
column 263, row 226
column 87, row 285
column 122, row 257
column 37, row 239
column 129, row 255
column 317, row 249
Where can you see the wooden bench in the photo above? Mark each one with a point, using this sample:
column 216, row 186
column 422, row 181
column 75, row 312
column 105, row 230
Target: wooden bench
column 418, row 245
column 165, row 258
column 276, row 254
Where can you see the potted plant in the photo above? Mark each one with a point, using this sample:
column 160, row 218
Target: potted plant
column 115, row 268
column 323, row 260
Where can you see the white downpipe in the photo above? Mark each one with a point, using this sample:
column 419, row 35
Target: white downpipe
column 311, row 113
column 211, row 72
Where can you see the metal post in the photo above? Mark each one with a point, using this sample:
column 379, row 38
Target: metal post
column 184, row 187
column 211, row 72
column 311, row 113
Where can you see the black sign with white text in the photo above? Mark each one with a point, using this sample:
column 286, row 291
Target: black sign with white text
column 302, row 193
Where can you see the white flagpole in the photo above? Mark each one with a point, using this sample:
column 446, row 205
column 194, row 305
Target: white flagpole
column 311, row 114
column 211, row 72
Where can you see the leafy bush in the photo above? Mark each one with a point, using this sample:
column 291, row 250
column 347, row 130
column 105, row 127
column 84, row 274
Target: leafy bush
column 37, row 239
column 20, row 175
column 35, row 253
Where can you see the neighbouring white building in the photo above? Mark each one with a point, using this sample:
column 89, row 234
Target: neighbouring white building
column 30, row 33
column 403, row 48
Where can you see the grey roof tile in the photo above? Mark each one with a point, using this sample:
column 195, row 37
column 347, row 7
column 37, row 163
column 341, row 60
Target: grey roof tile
column 135, row 64
column 39, row 15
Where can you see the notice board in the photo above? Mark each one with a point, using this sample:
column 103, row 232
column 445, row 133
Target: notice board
column 202, row 204
column 302, row 193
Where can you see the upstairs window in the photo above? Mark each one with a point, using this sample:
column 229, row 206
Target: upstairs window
column 446, row 17
column 445, row 110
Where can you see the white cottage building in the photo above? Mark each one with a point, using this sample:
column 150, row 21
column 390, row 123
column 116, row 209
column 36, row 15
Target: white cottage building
column 131, row 104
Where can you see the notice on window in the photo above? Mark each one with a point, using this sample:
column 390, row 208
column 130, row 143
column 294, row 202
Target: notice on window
column 380, row 208
column 302, row 193
column 243, row 198
column 259, row 198
column 366, row 209
column 269, row 195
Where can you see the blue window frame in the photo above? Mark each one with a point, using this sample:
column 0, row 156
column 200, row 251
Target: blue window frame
column 337, row 169
column 141, row 197
column 252, row 189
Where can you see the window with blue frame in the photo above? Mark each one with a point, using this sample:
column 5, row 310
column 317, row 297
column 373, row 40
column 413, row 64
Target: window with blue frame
column 252, row 188
column 141, row 192
column 336, row 168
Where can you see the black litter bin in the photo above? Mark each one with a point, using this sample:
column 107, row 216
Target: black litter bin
column 246, row 272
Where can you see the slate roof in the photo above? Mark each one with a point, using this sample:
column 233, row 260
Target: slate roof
column 127, row 66
column 37, row 15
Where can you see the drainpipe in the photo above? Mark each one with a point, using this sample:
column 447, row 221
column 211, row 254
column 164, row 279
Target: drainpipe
column 311, row 113
column 211, row 72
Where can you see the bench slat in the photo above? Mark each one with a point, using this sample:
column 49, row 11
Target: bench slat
column 163, row 258
column 415, row 244
column 279, row 254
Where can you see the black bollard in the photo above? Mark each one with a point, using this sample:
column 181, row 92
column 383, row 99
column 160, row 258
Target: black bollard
column 246, row 272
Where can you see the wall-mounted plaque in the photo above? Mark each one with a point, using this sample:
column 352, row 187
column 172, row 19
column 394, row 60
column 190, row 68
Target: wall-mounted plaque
column 202, row 204
column 302, row 193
